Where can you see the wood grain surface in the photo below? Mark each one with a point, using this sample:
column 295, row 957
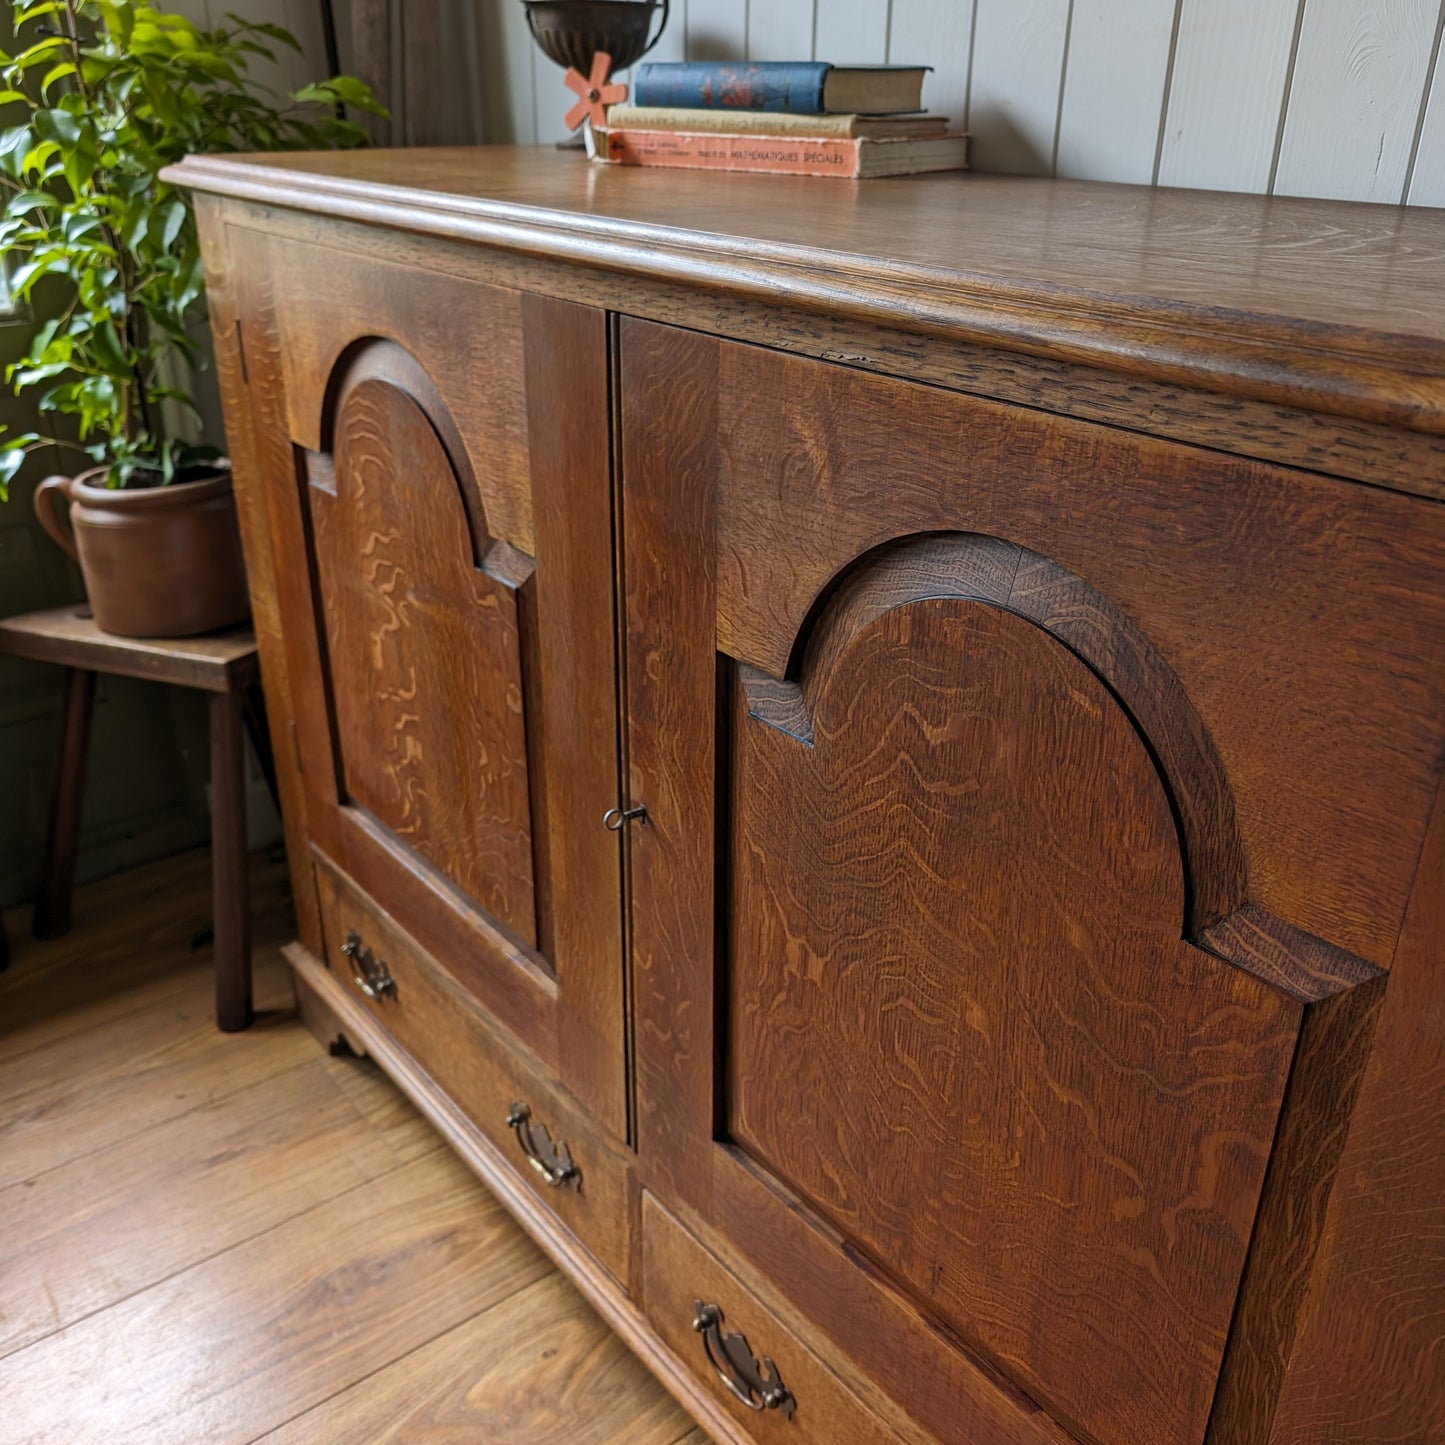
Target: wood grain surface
column 1319, row 680
column 1038, row 742
column 1368, row 1363
column 437, row 1019
column 442, row 584
column 295, row 1252
column 242, row 314
column 537, row 1366
column 670, row 496
column 69, row 636
column 817, row 537
column 1295, row 301
column 423, row 652
column 1363, row 451
column 1044, row 1113
column 677, row 1273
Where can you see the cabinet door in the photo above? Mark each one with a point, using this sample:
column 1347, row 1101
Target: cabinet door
column 998, row 772
column 438, row 489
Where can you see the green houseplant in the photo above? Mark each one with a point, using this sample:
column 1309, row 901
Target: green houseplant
column 102, row 97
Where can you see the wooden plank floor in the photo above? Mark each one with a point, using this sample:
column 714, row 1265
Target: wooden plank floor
column 232, row 1238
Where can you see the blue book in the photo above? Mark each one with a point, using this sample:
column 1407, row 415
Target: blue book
column 799, row 87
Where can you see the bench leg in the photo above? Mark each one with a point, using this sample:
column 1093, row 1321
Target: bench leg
column 228, row 863
column 57, row 871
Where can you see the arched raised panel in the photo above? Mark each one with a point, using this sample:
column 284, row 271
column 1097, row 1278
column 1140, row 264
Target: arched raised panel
column 424, row 652
column 963, row 1022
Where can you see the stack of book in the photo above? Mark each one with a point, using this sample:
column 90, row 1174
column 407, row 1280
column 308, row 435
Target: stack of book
column 799, row 118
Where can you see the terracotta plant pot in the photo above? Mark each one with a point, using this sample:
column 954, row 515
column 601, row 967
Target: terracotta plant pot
column 158, row 561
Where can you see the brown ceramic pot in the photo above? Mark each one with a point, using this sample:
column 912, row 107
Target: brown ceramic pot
column 158, row 561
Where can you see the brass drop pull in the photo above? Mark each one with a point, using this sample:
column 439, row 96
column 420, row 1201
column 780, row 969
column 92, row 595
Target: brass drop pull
column 551, row 1161
column 614, row 819
column 755, row 1382
column 368, row 972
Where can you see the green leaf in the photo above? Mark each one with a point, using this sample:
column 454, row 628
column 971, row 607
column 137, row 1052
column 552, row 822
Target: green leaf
column 23, row 376
column 34, row 11
column 24, row 201
column 81, row 163
column 172, row 216
column 109, row 352
column 13, row 145
column 274, row 32
column 119, row 21
column 57, row 72
column 58, row 126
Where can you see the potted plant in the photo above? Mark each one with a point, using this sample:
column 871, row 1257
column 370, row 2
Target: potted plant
column 104, row 96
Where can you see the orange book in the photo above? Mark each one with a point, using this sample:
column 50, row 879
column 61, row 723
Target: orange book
column 850, row 157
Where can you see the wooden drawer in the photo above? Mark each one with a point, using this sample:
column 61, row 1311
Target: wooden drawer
column 678, row 1275
column 445, row 1031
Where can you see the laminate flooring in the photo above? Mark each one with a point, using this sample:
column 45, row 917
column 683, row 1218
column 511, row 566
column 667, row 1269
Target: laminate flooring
column 224, row 1238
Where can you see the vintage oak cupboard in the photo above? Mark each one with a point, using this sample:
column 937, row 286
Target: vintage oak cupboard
column 871, row 755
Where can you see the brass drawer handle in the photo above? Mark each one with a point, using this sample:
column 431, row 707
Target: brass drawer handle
column 368, row 972
column 551, row 1161
column 753, row 1381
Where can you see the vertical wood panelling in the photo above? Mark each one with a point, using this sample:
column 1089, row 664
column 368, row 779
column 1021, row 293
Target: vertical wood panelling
column 853, row 32
column 673, row 45
column 1353, row 107
column 198, row 12
column 1018, row 63
column 1427, row 182
column 1231, row 58
column 518, row 48
column 937, row 33
column 783, row 29
column 1114, row 87
column 302, row 18
column 717, row 29
column 1106, row 89
column 552, row 98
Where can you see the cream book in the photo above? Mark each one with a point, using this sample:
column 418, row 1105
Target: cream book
column 770, row 122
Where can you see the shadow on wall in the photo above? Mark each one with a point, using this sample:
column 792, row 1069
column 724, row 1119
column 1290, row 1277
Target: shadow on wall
column 998, row 144
column 706, row 46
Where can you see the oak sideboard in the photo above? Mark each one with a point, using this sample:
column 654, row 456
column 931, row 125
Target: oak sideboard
column 871, row 754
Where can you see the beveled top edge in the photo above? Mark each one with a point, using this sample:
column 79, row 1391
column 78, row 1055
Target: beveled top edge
column 1333, row 306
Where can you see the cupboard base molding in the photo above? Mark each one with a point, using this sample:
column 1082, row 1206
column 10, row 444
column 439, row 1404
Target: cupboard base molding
column 598, row 1287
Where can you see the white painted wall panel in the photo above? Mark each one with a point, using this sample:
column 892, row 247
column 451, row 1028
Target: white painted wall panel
column 517, row 50
column 1018, row 63
column 551, row 99
column 717, row 29
column 782, row 29
column 937, row 33
column 851, row 32
column 1427, row 183
column 1114, row 83
column 1226, row 96
column 673, row 45
column 1100, row 88
column 1355, row 99
column 198, row 12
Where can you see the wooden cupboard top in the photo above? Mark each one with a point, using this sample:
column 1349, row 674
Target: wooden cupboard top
column 1334, row 306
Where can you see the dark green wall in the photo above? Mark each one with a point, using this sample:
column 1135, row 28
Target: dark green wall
column 146, row 789
column 145, row 795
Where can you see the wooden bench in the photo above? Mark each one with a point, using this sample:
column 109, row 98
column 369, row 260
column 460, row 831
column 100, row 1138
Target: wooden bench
column 223, row 665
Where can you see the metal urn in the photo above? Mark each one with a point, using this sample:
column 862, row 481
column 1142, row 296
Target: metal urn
column 571, row 32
